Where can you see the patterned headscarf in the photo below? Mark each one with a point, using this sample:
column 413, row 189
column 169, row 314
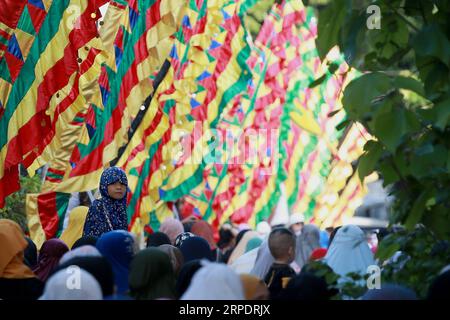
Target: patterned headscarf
column 183, row 237
column 107, row 212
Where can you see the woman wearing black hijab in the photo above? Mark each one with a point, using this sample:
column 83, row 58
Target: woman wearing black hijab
column 85, row 241
column 187, row 272
column 158, row 238
column 30, row 254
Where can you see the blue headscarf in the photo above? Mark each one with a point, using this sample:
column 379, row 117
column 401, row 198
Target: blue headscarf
column 116, row 210
column 324, row 239
column 117, row 247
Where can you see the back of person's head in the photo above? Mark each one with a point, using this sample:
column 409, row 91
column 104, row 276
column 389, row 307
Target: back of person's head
column 307, row 286
column 282, row 244
column 226, row 238
column 158, row 238
column 390, row 291
column 175, row 255
column 83, row 251
column 195, row 248
column 86, row 288
column 187, row 226
column 85, row 241
column 186, row 273
column 333, row 234
column 172, row 227
column 203, row 229
column 98, row 267
column 117, row 245
column 263, row 228
column 151, row 275
column 440, row 287
column 214, row 281
column 84, row 199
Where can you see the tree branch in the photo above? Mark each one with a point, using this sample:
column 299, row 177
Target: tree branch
column 409, row 23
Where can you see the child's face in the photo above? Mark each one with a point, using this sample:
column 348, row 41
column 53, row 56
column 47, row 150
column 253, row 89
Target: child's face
column 117, row 190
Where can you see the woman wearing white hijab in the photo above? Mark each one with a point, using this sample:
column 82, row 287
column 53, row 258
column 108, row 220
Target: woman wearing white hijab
column 245, row 263
column 85, row 287
column 83, row 251
column 240, row 248
column 263, row 262
column 214, row 281
column 349, row 252
column 307, row 241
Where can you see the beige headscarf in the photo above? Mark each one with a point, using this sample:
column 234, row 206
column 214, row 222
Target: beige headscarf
column 240, row 248
column 254, row 287
column 176, row 257
column 13, row 245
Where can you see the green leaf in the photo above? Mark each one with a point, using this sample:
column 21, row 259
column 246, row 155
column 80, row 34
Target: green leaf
column 437, row 220
column 428, row 160
column 434, row 75
column 390, row 39
column 343, row 124
column 442, row 111
column 418, row 209
column 318, row 81
column 409, row 83
column 388, row 173
column 360, row 92
column 385, row 251
column 448, row 161
column 331, row 20
column 368, row 160
column 333, row 113
column 390, row 127
column 412, row 122
column 352, row 34
column 431, row 41
column 331, row 69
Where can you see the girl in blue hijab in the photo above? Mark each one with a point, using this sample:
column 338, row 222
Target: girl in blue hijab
column 118, row 248
column 110, row 211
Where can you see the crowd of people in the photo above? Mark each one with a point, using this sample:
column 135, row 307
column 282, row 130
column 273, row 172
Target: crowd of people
column 96, row 258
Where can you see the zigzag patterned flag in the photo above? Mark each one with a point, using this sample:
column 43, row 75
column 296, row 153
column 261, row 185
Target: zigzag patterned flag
column 51, row 61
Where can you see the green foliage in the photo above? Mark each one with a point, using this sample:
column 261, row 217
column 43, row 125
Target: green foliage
column 15, row 203
column 352, row 286
column 422, row 257
column 402, row 99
